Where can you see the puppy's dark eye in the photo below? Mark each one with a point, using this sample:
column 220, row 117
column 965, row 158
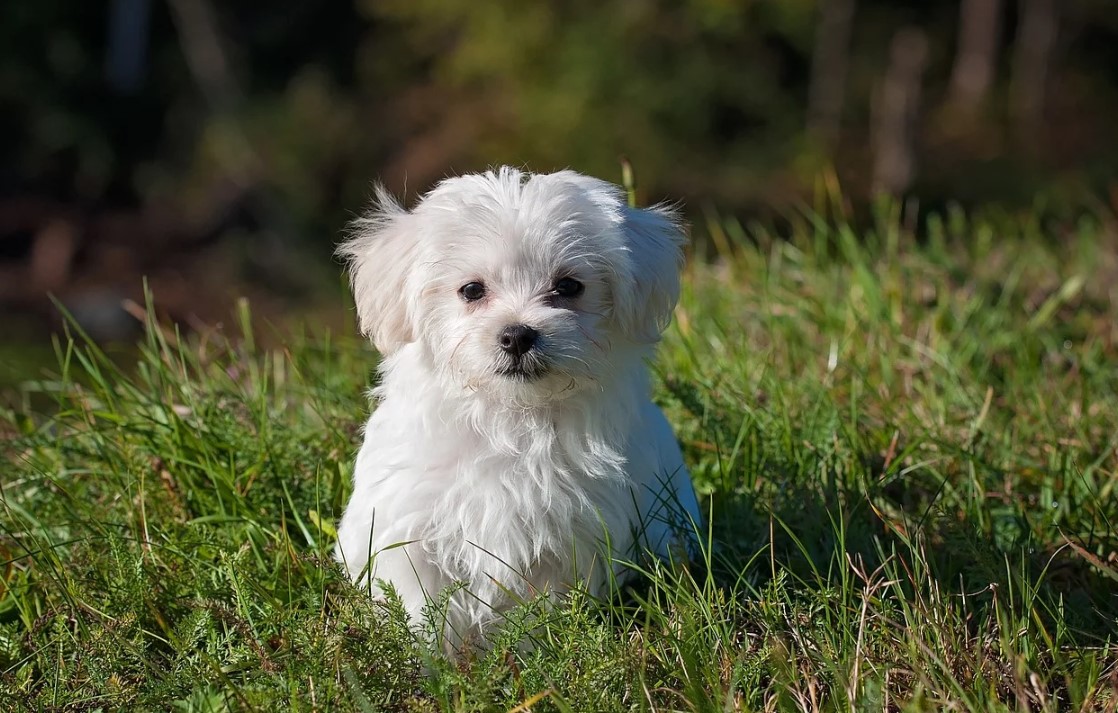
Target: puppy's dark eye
column 568, row 287
column 472, row 291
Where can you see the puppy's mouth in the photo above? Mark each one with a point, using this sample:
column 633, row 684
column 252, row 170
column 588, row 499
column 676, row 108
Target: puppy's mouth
column 524, row 370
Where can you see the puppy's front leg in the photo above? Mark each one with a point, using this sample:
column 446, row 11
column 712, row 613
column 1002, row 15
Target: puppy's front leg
column 418, row 583
column 406, row 567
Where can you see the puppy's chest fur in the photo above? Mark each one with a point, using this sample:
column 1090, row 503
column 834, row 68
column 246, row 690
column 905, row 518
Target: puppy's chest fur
column 532, row 496
column 512, row 503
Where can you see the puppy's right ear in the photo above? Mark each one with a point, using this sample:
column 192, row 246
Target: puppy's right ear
column 381, row 253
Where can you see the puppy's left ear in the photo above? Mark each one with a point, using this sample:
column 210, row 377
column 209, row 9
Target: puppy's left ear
column 644, row 298
column 383, row 254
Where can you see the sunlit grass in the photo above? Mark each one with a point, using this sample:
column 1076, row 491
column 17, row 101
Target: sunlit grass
column 908, row 449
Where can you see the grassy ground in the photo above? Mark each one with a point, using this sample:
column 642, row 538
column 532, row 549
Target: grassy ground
column 908, row 451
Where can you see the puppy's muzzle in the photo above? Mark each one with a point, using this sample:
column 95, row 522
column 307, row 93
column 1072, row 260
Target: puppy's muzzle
column 521, row 345
column 516, row 340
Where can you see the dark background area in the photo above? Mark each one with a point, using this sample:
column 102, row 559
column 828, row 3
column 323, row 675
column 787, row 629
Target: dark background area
column 219, row 148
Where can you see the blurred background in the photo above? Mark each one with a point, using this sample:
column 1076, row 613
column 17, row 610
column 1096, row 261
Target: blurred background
column 219, row 148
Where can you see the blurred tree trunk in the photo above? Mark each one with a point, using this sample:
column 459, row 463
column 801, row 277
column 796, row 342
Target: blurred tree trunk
column 129, row 30
column 977, row 54
column 896, row 110
column 1032, row 58
column 828, row 69
column 205, row 54
column 204, row 48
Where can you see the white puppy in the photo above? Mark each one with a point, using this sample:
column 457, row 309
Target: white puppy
column 515, row 449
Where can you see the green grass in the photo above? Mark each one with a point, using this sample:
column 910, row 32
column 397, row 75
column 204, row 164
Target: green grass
column 908, row 449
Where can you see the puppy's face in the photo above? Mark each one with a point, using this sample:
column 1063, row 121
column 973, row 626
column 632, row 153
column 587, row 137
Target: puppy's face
column 520, row 298
column 518, row 286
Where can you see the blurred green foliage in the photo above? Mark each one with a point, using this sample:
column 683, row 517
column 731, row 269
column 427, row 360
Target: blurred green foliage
column 708, row 98
column 692, row 89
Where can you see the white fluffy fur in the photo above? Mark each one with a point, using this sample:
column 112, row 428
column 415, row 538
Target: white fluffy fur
column 512, row 486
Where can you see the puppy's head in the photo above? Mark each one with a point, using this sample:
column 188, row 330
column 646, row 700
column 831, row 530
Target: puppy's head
column 516, row 285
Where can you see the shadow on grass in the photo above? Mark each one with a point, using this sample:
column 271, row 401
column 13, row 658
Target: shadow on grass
column 814, row 533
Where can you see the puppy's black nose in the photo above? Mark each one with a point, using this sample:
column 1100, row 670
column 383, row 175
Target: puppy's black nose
column 517, row 339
